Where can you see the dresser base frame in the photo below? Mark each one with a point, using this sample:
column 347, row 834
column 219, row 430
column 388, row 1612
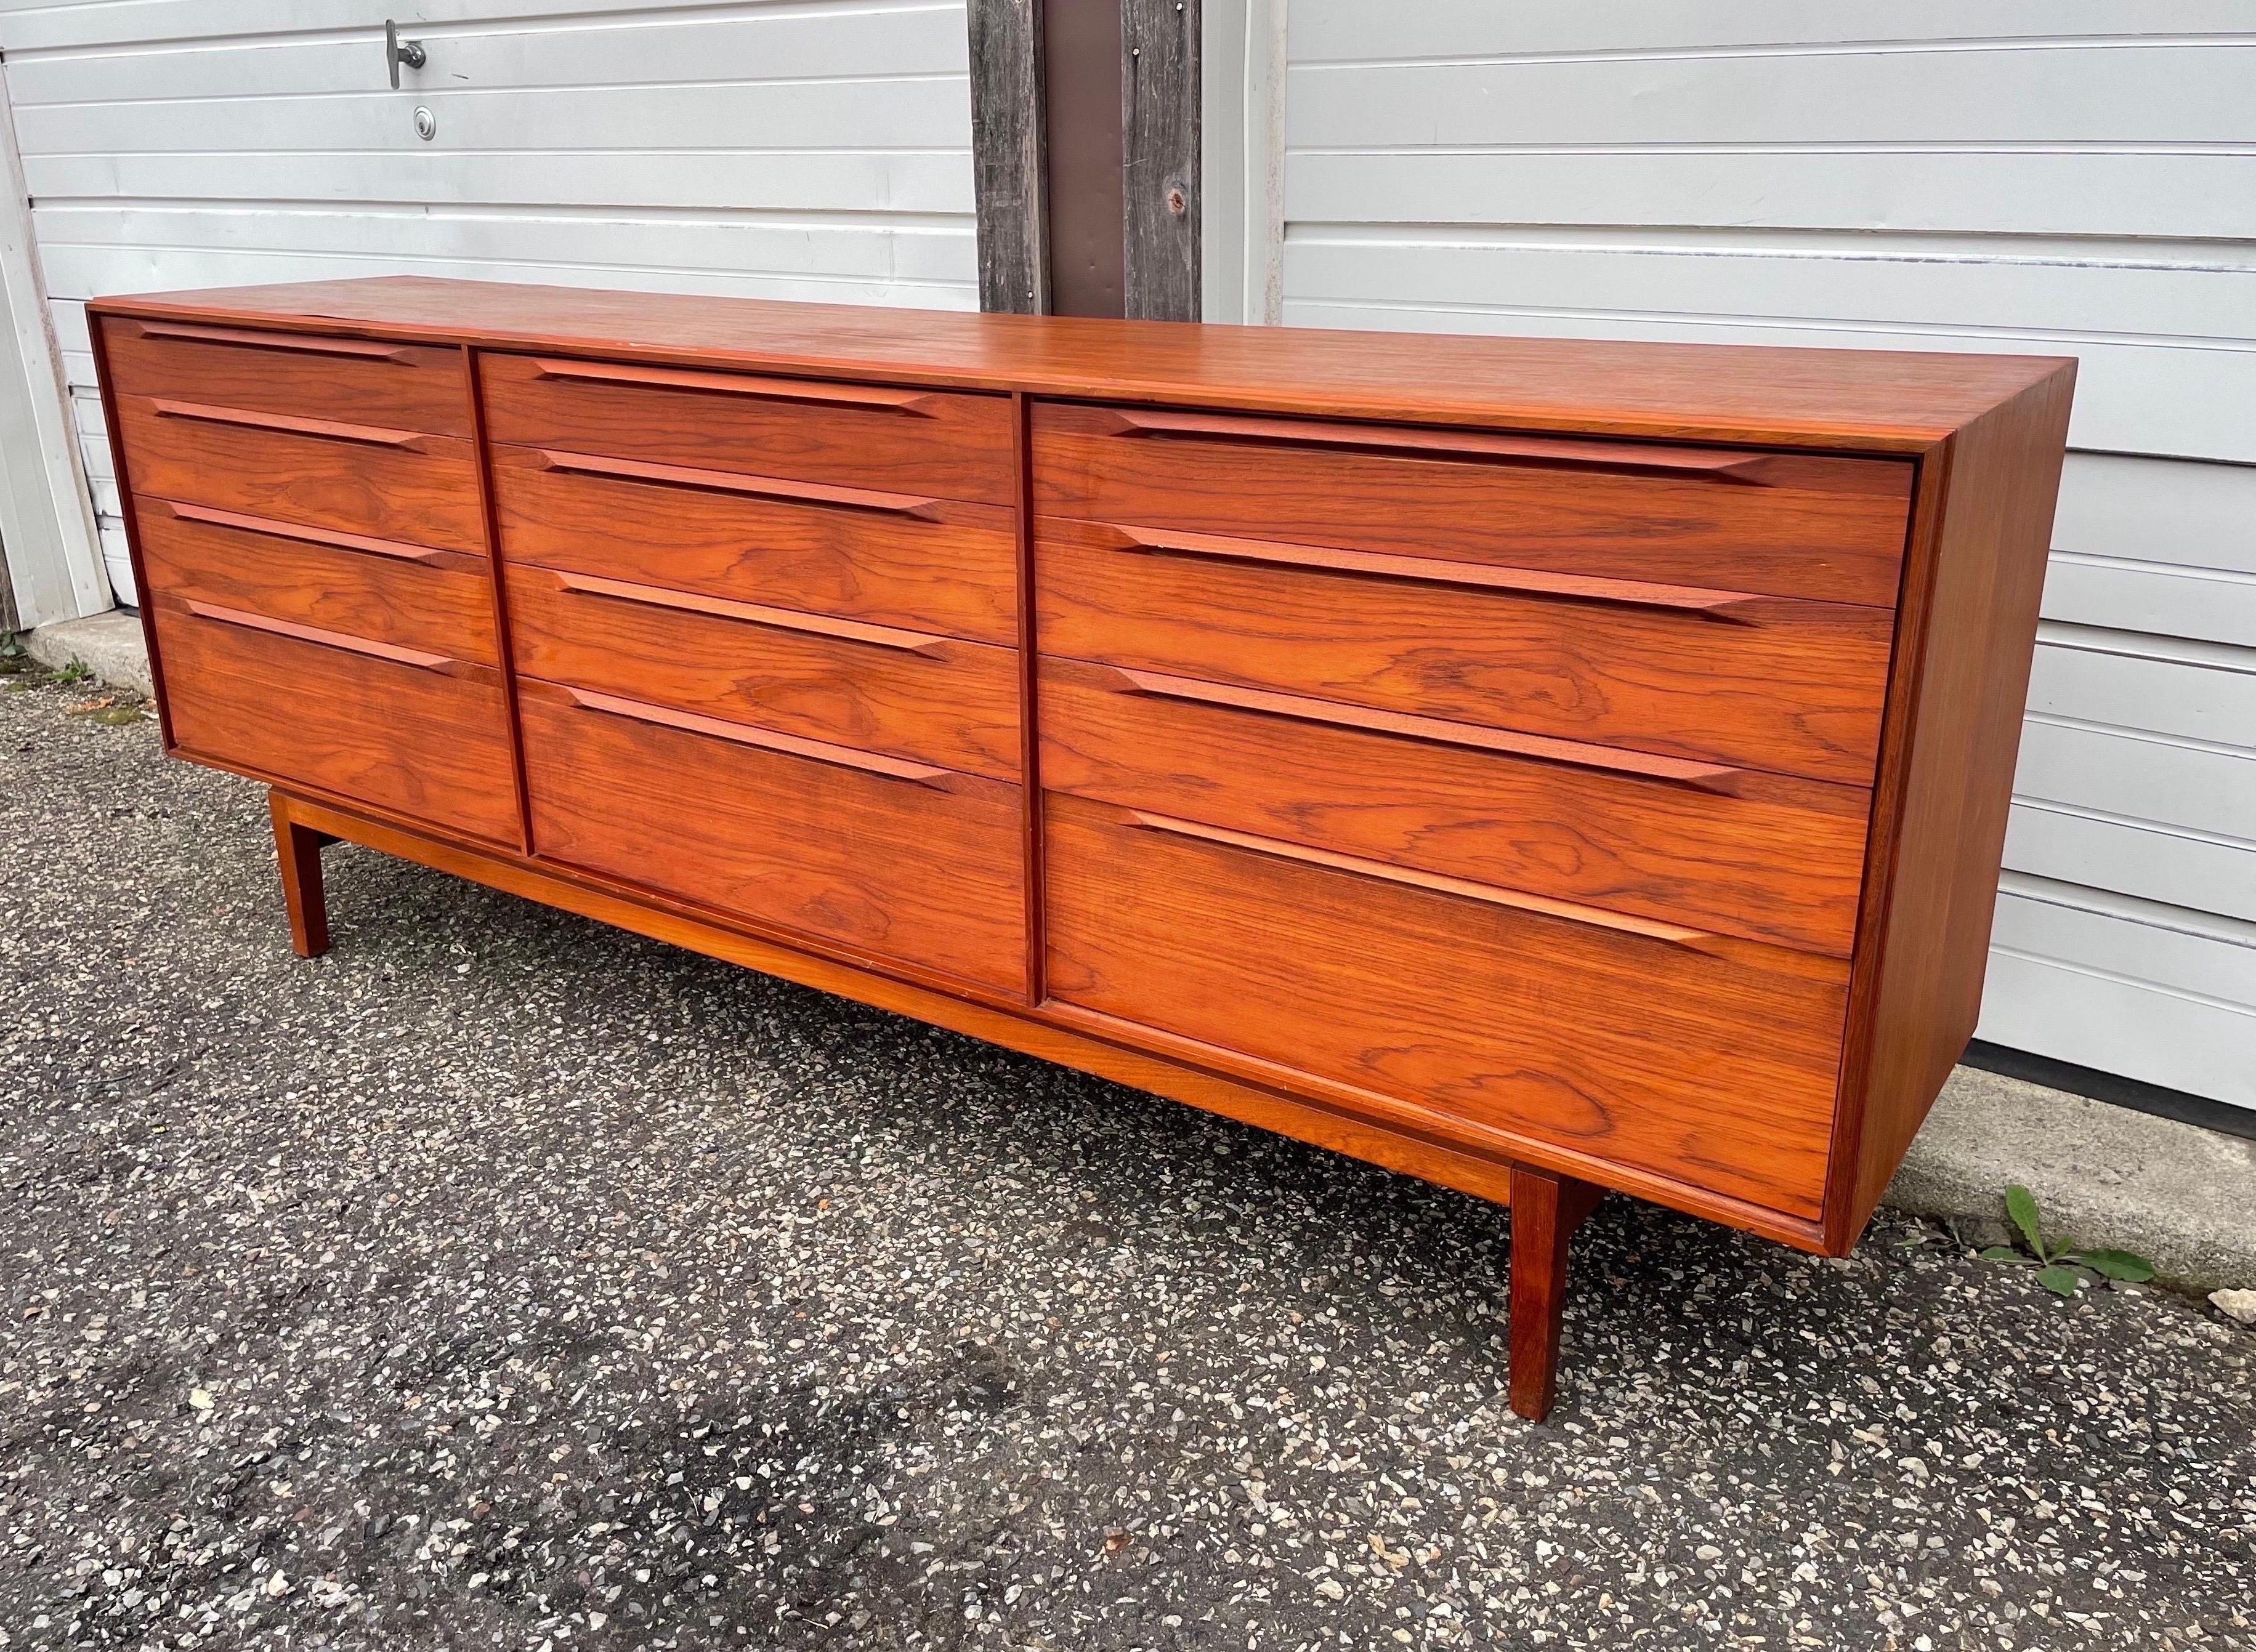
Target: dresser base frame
column 1547, row 1207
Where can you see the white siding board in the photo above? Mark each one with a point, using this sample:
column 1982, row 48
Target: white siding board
column 2126, row 90
column 875, row 181
column 1355, row 29
column 2069, row 845
column 2169, row 781
column 865, row 42
column 2119, row 505
column 2204, row 194
column 2060, row 1004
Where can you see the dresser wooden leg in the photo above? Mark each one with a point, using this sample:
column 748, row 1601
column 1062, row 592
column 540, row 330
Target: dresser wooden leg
column 1546, row 1210
column 299, row 850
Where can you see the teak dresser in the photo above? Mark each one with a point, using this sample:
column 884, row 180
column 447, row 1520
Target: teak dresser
column 1542, row 767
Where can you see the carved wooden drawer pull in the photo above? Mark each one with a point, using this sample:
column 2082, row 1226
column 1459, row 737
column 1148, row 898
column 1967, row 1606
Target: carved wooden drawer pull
column 399, row 550
column 290, row 424
column 1745, row 469
column 754, row 614
column 344, row 642
column 877, row 398
column 1702, row 776
column 1410, row 877
column 816, row 493
column 765, row 739
column 301, row 344
column 1727, row 606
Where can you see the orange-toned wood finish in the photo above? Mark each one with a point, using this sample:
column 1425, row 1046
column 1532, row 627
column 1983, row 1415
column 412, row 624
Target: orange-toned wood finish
column 907, row 693
column 1827, row 529
column 906, row 449
column 892, row 861
column 412, row 595
column 1542, row 767
column 373, row 481
column 951, row 569
column 1576, row 1027
column 1790, row 687
column 1739, row 852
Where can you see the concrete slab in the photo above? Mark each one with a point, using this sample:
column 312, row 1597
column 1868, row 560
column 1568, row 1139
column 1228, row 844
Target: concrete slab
column 2182, row 1197
column 110, row 645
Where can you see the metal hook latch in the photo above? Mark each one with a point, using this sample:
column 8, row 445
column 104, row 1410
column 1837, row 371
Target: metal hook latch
column 397, row 52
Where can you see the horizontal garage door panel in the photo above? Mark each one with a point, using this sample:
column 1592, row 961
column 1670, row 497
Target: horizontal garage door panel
column 2062, row 845
column 2046, row 994
column 2139, row 777
column 1332, row 31
column 2063, row 192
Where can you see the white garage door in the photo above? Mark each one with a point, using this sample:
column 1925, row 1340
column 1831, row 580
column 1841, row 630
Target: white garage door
column 2018, row 175
column 798, row 151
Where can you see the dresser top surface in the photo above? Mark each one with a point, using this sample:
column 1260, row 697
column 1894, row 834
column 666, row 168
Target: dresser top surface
column 1871, row 400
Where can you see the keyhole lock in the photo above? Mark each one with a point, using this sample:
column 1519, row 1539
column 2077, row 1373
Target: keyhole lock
column 426, row 124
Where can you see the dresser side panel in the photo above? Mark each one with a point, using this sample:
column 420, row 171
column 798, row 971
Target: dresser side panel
column 1956, row 736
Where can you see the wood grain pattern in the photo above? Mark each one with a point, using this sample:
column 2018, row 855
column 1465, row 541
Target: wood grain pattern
column 956, row 447
column 1825, row 528
column 387, row 596
column 951, row 703
column 411, row 386
column 1009, row 158
column 1881, row 401
column 888, row 867
column 1786, row 685
column 423, row 743
column 1547, row 1027
column 1546, row 1210
column 951, row 573
column 1159, row 100
column 298, row 854
column 1946, row 785
column 427, row 498
column 1775, row 859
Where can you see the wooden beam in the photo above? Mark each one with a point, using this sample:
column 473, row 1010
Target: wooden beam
column 1008, row 164
column 1159, row 115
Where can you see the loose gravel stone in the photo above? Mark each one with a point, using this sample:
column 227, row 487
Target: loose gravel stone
column 502, row 1280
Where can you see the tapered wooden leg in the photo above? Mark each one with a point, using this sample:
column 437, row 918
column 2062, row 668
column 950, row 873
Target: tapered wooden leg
column 299, row 849
column 1546, row 1209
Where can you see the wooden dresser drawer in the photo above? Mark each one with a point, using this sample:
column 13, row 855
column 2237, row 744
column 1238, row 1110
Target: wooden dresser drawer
column 1752, row 681
column 895, row 445
column 414, row 387
column 441, row 602
column 891, row 860
column 412, row 732
column 911, row 694
column 1712, row 1061
column 947, row 566
column 1782, row 525
column 355, row 478
column 1738, row 851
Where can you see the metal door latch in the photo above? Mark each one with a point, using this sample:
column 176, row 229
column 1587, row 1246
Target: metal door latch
column 397, row 52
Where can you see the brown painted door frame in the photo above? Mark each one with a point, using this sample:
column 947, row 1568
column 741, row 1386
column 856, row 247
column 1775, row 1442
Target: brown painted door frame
column 1085, row 152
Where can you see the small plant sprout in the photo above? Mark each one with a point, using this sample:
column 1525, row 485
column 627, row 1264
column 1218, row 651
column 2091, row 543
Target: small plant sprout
column 2062, row 1272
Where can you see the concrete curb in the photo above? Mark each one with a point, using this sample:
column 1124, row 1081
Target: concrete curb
column 110, row 645
column 2182, row 1197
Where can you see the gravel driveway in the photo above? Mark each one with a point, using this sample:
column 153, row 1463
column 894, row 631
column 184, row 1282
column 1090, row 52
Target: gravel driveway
column 500, row 1280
